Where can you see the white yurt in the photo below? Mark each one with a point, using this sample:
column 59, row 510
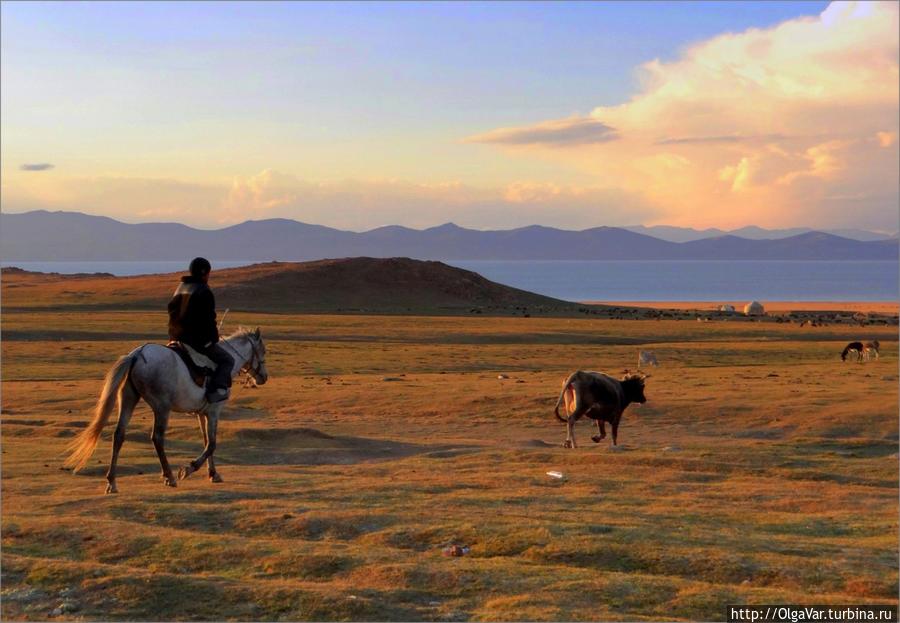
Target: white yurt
column 726, row 308
column 754, row 308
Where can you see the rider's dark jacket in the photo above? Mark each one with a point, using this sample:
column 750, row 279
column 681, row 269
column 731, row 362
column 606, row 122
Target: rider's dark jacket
column 192, row 314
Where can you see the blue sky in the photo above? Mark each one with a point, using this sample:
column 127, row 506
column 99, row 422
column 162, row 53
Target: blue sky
column 203, row 93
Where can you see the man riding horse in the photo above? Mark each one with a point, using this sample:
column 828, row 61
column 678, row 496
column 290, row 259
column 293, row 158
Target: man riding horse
column 192, row 321
column 159, row 376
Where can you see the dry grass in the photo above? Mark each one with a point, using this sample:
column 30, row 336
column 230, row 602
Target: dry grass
column 762, row 469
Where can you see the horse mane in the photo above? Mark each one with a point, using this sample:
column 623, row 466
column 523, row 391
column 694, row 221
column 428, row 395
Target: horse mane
column 240, row 332
column 243, row 333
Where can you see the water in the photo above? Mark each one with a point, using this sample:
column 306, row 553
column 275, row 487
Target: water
column 706, row 280
column 649, row 280
column 121, row 269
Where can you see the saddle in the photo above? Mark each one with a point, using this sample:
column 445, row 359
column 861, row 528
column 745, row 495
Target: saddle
column 199, row 365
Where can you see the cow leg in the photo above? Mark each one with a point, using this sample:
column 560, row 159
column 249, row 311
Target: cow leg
column 602, row 432
column 570, row 426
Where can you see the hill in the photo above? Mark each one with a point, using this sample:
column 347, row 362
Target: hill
column 72, row 236
column 391, row 285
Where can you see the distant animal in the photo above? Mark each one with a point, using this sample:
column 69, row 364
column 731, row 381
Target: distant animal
column 871, row 347
column 599, row 396
column 158, row 375
column 647, row 358
column 853, row 348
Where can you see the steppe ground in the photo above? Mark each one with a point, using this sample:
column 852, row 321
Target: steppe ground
column 762, row 469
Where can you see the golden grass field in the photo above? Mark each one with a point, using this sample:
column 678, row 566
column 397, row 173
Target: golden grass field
column 761, row 470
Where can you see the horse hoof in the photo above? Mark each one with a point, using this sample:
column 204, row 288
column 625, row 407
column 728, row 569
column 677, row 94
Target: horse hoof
column 568, row 444
column 111, row 488
column 596, row 438
column 214, row 477
column 170, row 482
column 184, row 472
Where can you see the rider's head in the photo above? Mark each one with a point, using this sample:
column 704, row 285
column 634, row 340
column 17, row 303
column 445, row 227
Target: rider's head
column 200, row 268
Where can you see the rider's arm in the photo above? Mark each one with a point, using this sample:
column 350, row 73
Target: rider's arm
column 207, row 308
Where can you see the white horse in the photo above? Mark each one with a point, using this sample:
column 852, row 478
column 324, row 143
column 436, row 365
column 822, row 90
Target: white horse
column 158, row 375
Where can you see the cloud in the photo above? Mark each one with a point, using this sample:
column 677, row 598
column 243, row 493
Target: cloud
column 764, row 126
column 40, row 166
column 886, row 139
column 571, row 131
column 702, row 140
column 347, row 204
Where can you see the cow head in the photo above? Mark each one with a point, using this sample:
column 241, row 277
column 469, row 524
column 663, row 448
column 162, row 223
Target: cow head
column 633, row 385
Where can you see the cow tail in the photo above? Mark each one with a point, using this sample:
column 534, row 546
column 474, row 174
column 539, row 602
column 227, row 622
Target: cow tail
column 562, row 397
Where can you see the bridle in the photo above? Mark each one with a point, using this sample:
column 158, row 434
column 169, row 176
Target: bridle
column 254, row 362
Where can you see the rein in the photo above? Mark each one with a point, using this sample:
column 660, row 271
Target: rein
column 254, row 362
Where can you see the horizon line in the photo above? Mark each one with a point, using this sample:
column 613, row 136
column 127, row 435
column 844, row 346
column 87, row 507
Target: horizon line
column 890, row 234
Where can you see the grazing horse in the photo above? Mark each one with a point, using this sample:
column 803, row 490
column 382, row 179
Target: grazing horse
column 601, row 398
column 855, row 348
column 158, row 375
column 871, row 347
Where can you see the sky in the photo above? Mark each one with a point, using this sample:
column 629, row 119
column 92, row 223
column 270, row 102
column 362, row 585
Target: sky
column 489, row 115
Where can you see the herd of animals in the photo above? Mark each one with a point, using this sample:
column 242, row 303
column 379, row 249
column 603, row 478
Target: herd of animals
column 604, row 399
column 164, row 381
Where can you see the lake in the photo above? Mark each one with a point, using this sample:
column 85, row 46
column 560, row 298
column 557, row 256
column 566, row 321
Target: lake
column 650, row 280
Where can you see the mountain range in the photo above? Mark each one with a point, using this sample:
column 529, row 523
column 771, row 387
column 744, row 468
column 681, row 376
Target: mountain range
column 72, row 236
column 688, row 234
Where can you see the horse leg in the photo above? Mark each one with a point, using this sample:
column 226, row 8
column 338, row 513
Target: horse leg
column 158, row 437
column 212, row 422
column 615, row 429
column 210, row 462
column 128, row 399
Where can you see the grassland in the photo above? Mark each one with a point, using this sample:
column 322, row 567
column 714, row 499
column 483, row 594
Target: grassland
column 761, row 469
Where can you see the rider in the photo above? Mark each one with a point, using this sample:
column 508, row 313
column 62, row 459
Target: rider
column 192, row 321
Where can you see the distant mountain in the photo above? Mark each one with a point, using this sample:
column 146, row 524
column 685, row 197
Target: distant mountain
column 72, row 236
column 687, row 234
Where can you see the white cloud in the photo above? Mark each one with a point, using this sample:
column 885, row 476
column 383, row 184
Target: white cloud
column 348, row 204
column 768, row 123
column 558, row 133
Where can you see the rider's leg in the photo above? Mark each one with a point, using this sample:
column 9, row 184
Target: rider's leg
column 221, row 380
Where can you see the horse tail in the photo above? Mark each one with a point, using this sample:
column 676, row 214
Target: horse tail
column 844, row 353
column 82, row 447
column 562, row 397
